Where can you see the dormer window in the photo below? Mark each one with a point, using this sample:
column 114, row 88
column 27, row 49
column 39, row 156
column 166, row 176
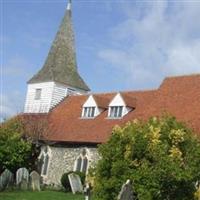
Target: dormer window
column 38, row 94
column 93, row 106
column 115, row 111
column 121, row 105
column 88, row 112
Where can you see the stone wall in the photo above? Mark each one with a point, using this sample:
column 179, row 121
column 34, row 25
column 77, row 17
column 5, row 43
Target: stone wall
column 62, row 159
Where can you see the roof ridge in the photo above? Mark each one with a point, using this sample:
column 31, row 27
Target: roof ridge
column 125, row 91
column 181, row 76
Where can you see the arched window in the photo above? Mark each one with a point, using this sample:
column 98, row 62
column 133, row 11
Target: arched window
column 44, row 161
column 81, row 163
column 84, row 164
column 45, row 165
column 78, row 164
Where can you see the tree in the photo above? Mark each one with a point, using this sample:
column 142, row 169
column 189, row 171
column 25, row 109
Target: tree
column 161, row 157
column 14, row 150
column 20, row 141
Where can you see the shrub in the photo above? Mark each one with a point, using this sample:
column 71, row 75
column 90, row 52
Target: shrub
column 15, row 151
column 65, row 181
column 161, row 157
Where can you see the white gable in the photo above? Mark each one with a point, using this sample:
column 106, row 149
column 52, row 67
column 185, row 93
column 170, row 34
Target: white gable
column 90, row 102
column 117, row 101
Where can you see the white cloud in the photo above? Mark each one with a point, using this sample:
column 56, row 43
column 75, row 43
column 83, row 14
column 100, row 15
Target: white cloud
column 158, row 38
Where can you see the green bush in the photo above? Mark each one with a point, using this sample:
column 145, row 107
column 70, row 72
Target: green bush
column 161, row 157
column 15, row 150
column 65, row 181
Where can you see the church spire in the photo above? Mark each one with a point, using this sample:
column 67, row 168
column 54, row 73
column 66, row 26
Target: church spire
column 60, row 65
column 69, row 5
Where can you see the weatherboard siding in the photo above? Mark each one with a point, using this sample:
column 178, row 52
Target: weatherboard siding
column 52, row 93
column 59, row 92
column 41, row 105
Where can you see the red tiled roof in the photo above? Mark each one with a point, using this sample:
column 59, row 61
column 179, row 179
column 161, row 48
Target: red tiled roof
column 101, row 101
column 178, row 96
column 129, row 100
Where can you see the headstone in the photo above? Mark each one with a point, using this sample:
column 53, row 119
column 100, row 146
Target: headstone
column 87, row 191
column 22, row 177
column 23, row 185
column 6, row 179
column 75, row 183
column 126, row 192
column 35, row 181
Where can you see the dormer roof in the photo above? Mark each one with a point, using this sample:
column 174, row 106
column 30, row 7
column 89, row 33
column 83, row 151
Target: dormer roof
column 102, row 102
column 124, row 99
column 90, row 102
column 60, row 65
column 129, row 100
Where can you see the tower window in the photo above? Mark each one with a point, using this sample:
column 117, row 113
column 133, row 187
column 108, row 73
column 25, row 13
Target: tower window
column 88, row 112
column 38, row 94
column 115, row 111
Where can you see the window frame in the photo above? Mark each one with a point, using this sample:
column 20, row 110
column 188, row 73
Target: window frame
column 38, row 93
column 88, row 112
column 115, row 112
column 83, row 158
column 45, row 153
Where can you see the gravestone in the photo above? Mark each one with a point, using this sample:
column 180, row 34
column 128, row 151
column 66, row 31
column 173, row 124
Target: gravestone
column 87, row 191
column 75, row 183
column 126, row 192
column 35, row 181
column 22, row 177
column 23, row 185
column 6, row 179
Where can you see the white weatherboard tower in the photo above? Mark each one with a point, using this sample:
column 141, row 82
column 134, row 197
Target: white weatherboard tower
column 59, row 76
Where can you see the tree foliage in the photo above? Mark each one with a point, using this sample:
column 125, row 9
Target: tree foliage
column 161, row 157
column 15, row 150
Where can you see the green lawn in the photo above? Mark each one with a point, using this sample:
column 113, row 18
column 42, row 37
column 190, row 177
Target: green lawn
column 43, row 195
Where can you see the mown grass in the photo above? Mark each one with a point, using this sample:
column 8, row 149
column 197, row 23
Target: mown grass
column 43, row 195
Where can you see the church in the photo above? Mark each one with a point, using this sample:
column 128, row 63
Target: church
column 79, row 120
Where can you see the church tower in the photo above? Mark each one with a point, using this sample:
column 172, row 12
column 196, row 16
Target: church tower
column 59, row 76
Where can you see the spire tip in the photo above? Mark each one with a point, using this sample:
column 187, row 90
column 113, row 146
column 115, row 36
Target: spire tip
column 69, row 5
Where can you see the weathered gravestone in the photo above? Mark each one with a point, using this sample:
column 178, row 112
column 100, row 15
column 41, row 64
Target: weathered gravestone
column 22, row 177
column 6, row 179
column 35, row 181
column 75, row 183
column 126, row 192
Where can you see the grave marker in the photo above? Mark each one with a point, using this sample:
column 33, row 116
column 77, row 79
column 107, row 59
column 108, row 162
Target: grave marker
column 22, row 178
column 75, row 183
column 6, row 179
column 126, row 192
column 35, row 181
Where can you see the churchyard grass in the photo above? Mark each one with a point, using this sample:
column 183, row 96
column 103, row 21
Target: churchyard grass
column 43, row 195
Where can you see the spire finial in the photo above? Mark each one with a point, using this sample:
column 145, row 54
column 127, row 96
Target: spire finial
column 69, row 5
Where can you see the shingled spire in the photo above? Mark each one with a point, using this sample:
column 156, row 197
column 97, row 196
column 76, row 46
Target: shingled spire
column 60, row 65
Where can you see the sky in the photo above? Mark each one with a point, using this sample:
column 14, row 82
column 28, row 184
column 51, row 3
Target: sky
column 120, row 44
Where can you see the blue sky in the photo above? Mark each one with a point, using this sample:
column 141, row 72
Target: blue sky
column 120, row 44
